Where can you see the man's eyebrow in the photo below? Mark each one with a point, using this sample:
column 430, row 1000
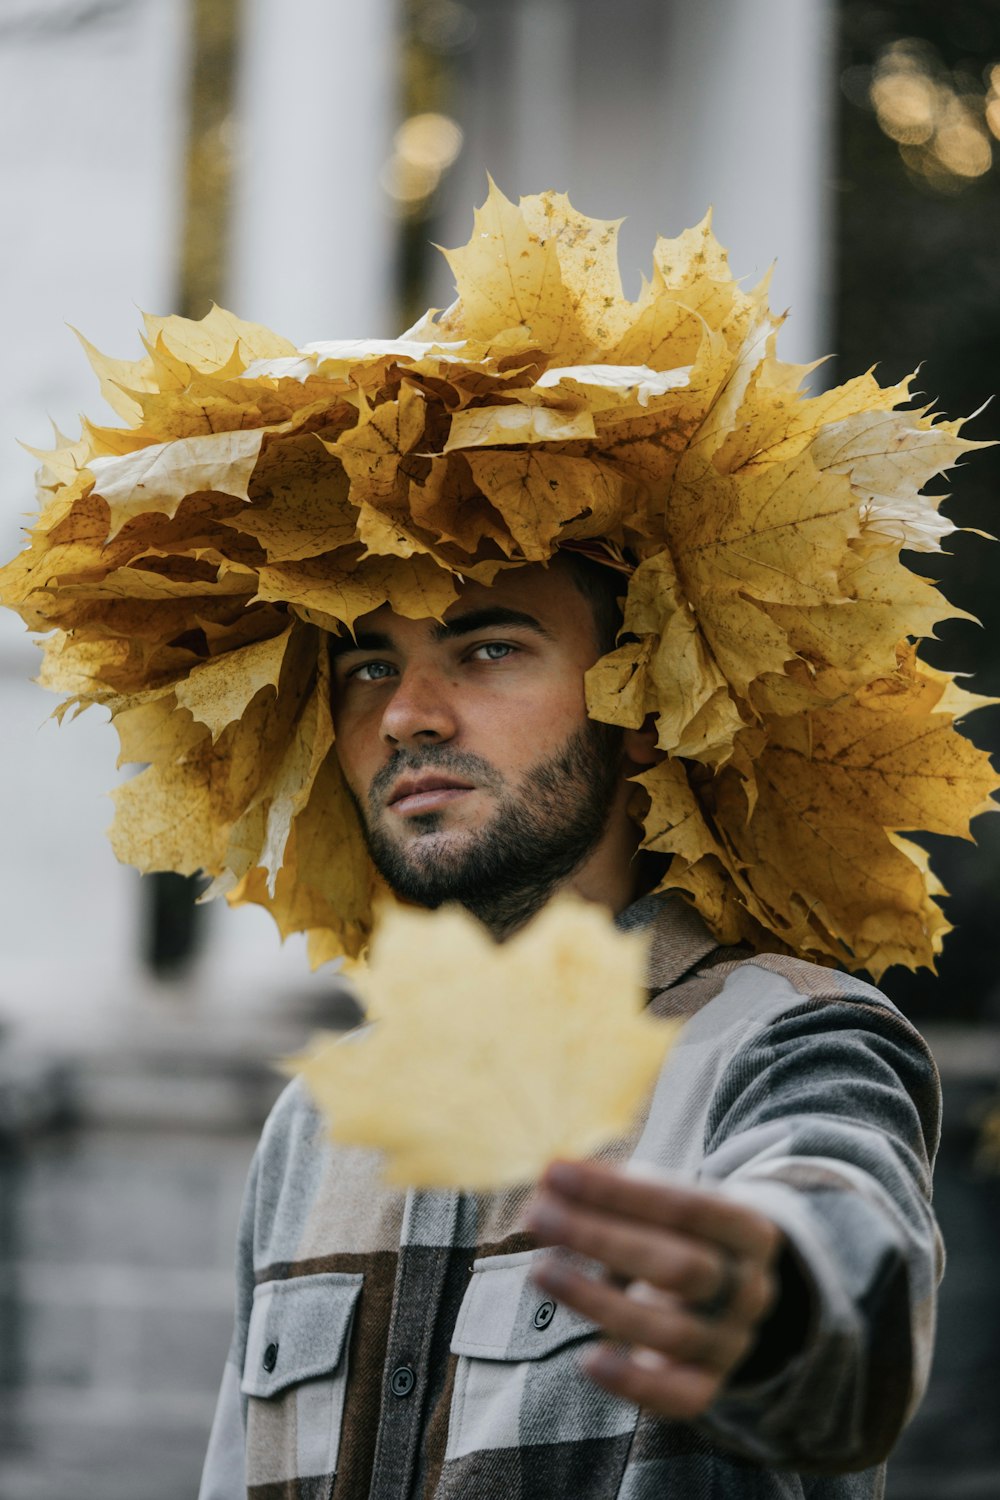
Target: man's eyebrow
column 488, row 619
column 365, row 640
column 445, row 630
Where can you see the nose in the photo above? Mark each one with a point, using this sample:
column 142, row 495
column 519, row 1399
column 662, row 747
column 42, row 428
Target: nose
column 419, row 711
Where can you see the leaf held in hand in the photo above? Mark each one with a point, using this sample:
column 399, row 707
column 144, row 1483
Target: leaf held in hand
column 482, row 1061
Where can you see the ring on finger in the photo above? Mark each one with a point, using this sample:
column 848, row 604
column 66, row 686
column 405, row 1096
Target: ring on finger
column 715, row 1307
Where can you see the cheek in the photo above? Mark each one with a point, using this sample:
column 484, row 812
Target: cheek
column 533, row 728
column 357, row 745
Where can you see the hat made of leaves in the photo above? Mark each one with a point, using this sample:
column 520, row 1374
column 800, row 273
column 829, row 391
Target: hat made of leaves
column 188, row 566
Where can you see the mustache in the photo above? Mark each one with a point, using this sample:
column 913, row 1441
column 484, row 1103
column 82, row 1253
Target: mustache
column 434, row 758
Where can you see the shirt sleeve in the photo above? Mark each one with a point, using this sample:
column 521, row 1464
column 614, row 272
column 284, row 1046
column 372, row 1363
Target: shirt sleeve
column 827, row 1121
column 224, row 1473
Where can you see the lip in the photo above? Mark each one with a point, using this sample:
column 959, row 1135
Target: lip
column 416, row 794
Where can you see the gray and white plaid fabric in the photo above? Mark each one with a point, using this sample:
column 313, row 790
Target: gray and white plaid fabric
column 390, row 1346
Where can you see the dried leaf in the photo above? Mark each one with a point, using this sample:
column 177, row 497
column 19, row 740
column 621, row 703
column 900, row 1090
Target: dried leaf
column 209, row 343
column 489, row 426
column 538, row 493
column 508, row 277
column 482, row 1062
column 375, row 453
column 300, row 501
column 313, row 892
column 416, row 587
column 160, row 476
column 815, row 854
column 218, row 693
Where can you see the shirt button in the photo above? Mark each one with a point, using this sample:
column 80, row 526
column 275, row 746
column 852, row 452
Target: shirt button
column 402, row 1380
column 544, row 1314
column 270, row 1357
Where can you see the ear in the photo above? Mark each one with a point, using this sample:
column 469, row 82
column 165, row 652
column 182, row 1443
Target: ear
column 640, row 744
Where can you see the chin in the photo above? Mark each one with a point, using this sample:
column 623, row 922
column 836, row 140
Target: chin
column 432, row 847
column 428, row 867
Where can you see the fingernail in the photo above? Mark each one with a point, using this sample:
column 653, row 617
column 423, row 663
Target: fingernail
column 550, row 1275
column 544, row 1218
column 564, row 1176
column 603, row 1362
column 649, row 1359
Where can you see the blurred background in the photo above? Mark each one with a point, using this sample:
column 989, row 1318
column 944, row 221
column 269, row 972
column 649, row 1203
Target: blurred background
column 295, row 160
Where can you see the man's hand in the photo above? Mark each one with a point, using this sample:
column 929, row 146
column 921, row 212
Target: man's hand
column 689, row 1280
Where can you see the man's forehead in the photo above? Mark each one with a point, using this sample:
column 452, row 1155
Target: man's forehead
column 543, row 592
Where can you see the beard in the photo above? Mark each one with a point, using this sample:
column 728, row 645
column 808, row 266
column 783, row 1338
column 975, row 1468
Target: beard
column 541, row 832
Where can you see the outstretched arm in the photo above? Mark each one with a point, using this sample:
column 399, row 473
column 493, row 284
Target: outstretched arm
column 811, row 1216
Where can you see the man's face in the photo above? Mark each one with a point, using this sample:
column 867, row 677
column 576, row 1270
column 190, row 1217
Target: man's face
column 467, row 747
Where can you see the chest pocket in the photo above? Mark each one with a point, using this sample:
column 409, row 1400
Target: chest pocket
column 295, row 1375
column 518, row 1380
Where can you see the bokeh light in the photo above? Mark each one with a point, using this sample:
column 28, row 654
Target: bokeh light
column 429, row 140
column 424, row 147
column 408, row 182
column 446, row 25
column 961, row 144
column 940, row 119
column 906, row 102
column 993, row 100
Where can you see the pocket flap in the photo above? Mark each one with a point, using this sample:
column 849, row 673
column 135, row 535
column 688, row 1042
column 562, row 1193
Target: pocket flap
column 505, row 1316
column 298, row 1329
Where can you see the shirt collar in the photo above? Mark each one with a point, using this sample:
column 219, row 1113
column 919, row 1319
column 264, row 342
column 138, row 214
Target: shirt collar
column 680, row 937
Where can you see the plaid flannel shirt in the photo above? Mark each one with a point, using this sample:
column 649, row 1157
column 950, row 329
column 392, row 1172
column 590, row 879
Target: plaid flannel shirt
column 391, row 1345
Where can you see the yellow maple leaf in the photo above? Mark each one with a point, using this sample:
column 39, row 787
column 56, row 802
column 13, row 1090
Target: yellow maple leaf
column 483, row 1061
column 587, row 252
column 120, row 379
column 159, row 476
column 209, row 343
column 671, row 671
column 300, row 501
column 416, row 587
column 490, row 426
column 311, row 892
column 153, row 732
column 375, row 452
column 448, row 504
column 219, row 691
column 538, row 493
column 509, row 278
column 814, row 854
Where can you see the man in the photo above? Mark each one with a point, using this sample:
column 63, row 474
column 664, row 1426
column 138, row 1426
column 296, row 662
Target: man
column 770, row 1311
column 743, row 1291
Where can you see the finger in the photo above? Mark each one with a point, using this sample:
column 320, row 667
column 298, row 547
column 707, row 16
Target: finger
column 745, row 1291
column 688, row 1210
column 634, row 1250
column 755, row 1292
column 645, row 1317
column 681, row 1392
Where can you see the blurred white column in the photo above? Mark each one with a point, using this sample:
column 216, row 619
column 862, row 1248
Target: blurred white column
column 313, row 231
column 541, row 86
column 750, row 91
column 654, row 109
column 92, row 111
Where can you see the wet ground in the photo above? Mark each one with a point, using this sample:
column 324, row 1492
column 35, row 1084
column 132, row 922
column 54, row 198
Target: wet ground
column 115, row 1294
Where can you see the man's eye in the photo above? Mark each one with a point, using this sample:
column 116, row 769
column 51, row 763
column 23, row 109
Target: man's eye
column 372, row 671
column 493, row 650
